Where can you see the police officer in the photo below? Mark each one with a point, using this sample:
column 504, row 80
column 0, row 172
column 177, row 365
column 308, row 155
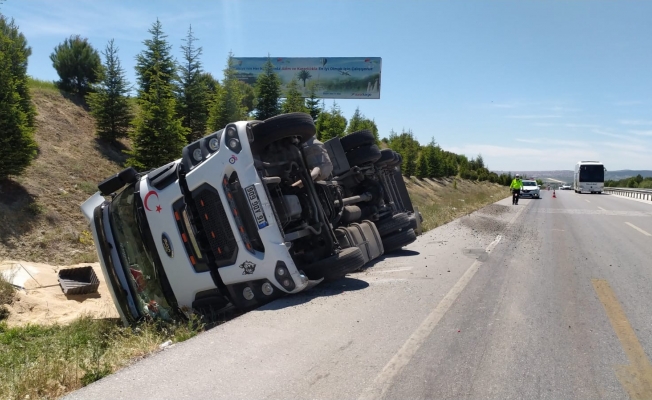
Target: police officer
column 516, row 186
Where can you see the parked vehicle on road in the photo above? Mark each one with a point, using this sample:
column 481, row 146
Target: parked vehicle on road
column 249, row 213
column 530, row 189
column 565, row 187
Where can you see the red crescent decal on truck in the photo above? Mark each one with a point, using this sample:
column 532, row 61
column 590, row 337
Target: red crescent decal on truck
column 151, row 193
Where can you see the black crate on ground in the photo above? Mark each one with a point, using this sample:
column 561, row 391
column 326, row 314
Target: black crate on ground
column 80, row 280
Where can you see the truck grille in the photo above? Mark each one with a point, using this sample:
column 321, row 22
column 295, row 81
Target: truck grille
column 216, row 225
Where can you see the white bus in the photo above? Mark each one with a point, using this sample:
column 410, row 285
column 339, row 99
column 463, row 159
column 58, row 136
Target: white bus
column 589, row 177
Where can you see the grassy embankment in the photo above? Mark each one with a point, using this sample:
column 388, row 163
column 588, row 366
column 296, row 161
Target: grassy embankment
column 441, row 201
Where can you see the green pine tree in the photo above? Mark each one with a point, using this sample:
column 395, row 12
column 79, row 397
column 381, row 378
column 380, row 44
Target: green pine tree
column 434, row 160
column 293, row 99
column 312, row 102
column 268, row 92
column 355, row 123
column 226, row 106
column 422, row 164
column 17, row 146
column 156, row 57
column 19, row 52
column 78, row 65
column 406, row 145
column 330, row 123
column 110, row 102
column 192, row 93
column 248, row 97
column 359, row 122
column 158, row 135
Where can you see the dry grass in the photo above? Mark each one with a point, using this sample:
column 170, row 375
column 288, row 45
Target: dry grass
column 443, row 200
column 39, row 211
column 49, row 361
column 6, row 296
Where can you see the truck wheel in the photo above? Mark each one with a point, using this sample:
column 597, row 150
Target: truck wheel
column 283, row 126
column 396, row 241
column 392, row 224
column 357, row 139
column 363, row 155
column 398, row 160
column 386, row 156
column 335, row 267
column 413, row 221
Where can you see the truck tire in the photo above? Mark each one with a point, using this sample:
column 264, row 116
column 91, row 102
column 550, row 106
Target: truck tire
column 413, row 221
column 283, row 126
column 363, row 155
column 396, row 161
column 392, row 224
column 398, row 240
column 386, row 156
column 335, row 267
column 357, row 139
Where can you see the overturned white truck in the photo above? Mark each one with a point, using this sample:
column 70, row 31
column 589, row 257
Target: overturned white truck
column 249, row 213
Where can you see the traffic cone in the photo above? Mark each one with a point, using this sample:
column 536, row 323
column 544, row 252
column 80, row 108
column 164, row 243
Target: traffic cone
column 554, row 196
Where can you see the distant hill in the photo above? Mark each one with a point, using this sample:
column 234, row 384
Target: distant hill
column 567, row 175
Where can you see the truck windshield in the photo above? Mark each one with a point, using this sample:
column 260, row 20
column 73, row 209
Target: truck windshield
column 136, row 257
column 591, row 173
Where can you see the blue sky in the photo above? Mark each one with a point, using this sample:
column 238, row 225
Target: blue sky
column 531, row 85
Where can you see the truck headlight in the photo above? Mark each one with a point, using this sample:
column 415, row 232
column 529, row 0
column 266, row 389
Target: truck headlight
column 232, row 141
column 196, row 154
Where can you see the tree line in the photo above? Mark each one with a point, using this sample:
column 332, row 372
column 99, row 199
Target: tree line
column 634, row 182
column 177, row 102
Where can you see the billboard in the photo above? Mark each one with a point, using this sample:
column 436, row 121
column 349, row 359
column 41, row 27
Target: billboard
column 331, row 78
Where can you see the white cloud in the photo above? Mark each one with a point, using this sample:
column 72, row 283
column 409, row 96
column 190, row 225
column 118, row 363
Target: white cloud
column 617, row 136
column 626, row 103
column 569, row 125
column 632, row 148
column 642, row 133
column 564, row 109
column 534, row 116
column 504, row 105
column 556, row 142
column 635, row 122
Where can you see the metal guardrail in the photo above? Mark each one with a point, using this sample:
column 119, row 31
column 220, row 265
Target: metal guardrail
column 642, row 194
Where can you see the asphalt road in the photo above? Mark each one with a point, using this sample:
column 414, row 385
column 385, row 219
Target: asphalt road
column 548, row 299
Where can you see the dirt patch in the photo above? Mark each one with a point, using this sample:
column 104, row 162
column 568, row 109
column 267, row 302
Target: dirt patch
column 494, row 210
column 39, row 298
column 484, row 224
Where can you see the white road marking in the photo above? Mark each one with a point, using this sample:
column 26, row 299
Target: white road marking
column 385, row 271
column 383, row 381
column 638, row 229
column 601, row 208
column 587, row 201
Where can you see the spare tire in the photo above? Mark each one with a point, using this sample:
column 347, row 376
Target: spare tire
column 335, row 267
column 363, row 155
column 283, row 126
column 357, row 139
